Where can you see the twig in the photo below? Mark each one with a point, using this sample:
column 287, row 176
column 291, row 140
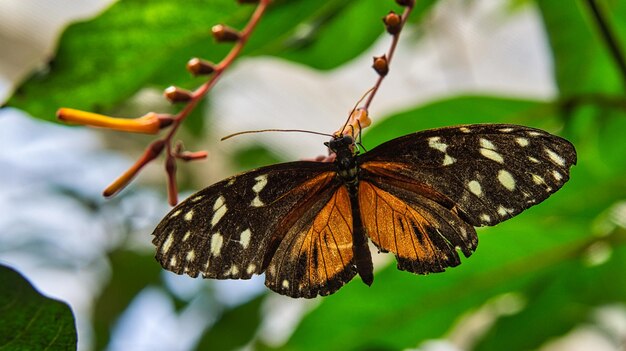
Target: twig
column 394, row 23
column 151, row 123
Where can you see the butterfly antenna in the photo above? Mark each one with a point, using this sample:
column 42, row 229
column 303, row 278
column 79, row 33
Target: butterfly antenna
column 274, row 130
column 355, row 107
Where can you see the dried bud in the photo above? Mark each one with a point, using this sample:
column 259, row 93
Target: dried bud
column 176, row 94
column 199, row 67
column 393, row 23
column 223, row 33
column 359, row 119
column 406, row 3
column 381, row 65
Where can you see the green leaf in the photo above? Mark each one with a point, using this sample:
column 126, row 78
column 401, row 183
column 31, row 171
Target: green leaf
column 136, row 44
column 460, row 110
column 131, row 273
column 31, row 321
column 582, row 61
column 235, row 328
column 100, row 63
column 568, row 294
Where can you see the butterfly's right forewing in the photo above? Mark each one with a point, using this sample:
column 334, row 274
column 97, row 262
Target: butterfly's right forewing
column 230, row 230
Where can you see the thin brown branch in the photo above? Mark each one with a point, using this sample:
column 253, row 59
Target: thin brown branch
column 389, row 56
column 152, row 123
column 359, row 118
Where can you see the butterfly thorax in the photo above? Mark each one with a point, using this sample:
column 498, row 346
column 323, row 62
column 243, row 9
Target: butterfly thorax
column 343, row 147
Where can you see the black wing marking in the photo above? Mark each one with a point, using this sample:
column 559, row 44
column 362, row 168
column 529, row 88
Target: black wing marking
column 230, row 230
column 489, row 172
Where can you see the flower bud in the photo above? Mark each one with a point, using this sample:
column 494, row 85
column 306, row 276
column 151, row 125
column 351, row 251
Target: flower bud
column 199, row 67
column 393, row 23
column 223, row 33
column 381, row 65
column 176, row 94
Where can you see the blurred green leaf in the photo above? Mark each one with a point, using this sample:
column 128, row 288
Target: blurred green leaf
column 582, row 61
column 131, row 272
column 137, row 43
column 235, row 328
column 254, row 156
column 461, row 110
column 31, row 321
column 560, row 300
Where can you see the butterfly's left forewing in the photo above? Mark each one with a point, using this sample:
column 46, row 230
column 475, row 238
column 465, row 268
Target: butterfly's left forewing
column 231, row 230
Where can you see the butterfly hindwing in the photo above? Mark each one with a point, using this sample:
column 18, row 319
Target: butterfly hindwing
column 490, row 172
column 315, row 257
column 422, row 233
column 231, row 229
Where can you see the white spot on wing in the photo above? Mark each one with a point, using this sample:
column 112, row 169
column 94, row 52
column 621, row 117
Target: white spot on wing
column 487, row 144
column 537, row 179
column 176, row 213
column 216, row 244
column 522, row 141
column 475, row 188
column 256, row 202
column 448, row 160
column 167, row 243
column 219, row 202
column 251, row 268
column 532, row 159
column 557, row 175
column 220, row 210
column 197, row 198
column 191, row 255
column 234, row 270
column 506, row 130
column 465, row 129
column 244, row 239
column 555, row 157
column 187, row 235
column 173, row 261
column 485, row 218
column 286, row 284
column 492, row 155
column 506, row 179
column 436, row 144
column 534, row 134
column 261, row 182
column 189, row 215
column 503, row 211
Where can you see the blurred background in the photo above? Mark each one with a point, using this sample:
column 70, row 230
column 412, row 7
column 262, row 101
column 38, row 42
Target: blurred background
column 550, row 279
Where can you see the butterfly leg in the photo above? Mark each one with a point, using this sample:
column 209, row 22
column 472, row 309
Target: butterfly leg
column 360, row 248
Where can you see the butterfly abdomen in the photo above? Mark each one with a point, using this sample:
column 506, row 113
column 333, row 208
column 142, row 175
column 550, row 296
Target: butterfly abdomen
column 362, row 254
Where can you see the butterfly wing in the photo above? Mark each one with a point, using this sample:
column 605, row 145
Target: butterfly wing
column 491, row 172
column 436, row 182
column 277, row 216
column 315, row 257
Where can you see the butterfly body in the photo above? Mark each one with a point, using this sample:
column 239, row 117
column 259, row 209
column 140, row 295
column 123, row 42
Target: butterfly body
column 306, row 225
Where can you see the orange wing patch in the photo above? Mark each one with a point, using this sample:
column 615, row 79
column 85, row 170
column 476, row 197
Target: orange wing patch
column 422, row 234
column 315, row 257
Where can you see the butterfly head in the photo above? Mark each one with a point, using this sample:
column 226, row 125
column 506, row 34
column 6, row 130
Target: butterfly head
column 344, row 147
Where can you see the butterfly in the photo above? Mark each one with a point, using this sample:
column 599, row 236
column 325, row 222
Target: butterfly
column 306, row 224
